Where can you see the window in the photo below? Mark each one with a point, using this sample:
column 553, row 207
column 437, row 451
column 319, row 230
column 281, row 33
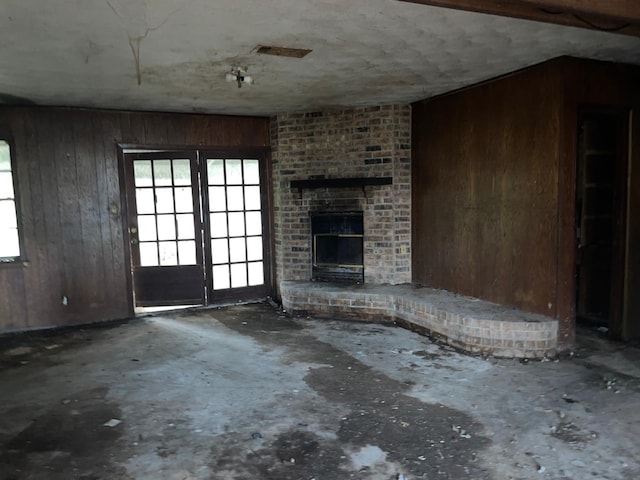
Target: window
column 9, row 239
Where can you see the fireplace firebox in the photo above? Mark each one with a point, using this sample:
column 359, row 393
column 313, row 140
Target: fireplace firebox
column 337, row 240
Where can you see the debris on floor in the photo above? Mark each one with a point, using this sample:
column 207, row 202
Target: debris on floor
column 245, row 392
column 114, row 422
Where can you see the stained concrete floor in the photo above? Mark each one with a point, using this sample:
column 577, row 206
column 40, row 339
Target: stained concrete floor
column 246, row 393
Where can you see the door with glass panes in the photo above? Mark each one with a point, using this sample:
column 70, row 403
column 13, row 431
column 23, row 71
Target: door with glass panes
column 165, row 228
column 196, row 227
column 235, row 247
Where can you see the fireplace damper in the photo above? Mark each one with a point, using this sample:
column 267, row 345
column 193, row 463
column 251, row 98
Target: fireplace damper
column 337, row 246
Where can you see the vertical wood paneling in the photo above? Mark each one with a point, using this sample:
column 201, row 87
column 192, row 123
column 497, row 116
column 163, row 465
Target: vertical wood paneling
column 108, row 128
column 90, row 221
column 136, row 129
column 71, row 205
column 36, row 235
column 155, row 129
column 102, row 197
column 27, row 188
column 64, row 151
column 176, row 131
column 494, row 187
column 485, row 191
column 124, row 120
column 50, row 265
column 13, row 305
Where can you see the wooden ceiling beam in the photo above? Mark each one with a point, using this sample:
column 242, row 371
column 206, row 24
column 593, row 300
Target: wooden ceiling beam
column 619, row 16
column 621, row 10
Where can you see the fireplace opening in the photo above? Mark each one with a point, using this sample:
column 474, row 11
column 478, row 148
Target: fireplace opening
column 337, row 240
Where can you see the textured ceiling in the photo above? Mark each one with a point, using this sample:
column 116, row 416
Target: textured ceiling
column 365, row 52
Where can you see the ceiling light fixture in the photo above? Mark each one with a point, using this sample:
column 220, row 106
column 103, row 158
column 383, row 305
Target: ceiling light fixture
column 239, row 76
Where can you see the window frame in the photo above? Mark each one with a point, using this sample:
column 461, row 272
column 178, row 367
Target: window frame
column 20, row 259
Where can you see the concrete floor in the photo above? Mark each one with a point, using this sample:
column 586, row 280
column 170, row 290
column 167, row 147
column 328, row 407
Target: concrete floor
column 247, row 393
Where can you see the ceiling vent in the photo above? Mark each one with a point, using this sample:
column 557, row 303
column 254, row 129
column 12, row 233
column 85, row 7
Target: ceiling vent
column 283, row 51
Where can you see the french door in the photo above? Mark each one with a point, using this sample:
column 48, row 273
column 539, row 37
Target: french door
column 235, row 245
column 196, row 226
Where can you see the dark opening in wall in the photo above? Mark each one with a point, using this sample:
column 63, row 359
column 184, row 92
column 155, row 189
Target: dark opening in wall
column 337, row 241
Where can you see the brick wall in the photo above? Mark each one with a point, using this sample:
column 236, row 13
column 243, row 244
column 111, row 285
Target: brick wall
column 354, row 142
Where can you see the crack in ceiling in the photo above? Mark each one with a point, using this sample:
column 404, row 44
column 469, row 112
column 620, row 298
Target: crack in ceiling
column 135, row 41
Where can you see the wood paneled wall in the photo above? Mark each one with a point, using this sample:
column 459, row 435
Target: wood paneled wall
column 485, row 191
column 71, row 205
column 494, row 185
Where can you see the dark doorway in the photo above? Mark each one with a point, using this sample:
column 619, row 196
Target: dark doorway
column 601, row 193
column 196, row 226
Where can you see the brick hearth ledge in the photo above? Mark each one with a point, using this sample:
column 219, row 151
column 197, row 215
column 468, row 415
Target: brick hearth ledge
column 463, row 322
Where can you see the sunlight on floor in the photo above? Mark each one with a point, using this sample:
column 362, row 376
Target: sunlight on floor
column 145, row 310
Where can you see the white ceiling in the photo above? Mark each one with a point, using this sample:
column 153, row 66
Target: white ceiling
column 365, row 52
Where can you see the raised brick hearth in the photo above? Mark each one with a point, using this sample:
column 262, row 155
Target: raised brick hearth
column 463, row 322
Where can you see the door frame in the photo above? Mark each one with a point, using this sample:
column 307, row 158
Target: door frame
column 620, row 204
column 266, row 185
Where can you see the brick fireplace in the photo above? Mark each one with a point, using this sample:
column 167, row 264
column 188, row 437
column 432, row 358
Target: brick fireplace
column 355, row 143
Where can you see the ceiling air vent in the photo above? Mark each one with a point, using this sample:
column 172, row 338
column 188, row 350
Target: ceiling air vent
column 283, row 51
